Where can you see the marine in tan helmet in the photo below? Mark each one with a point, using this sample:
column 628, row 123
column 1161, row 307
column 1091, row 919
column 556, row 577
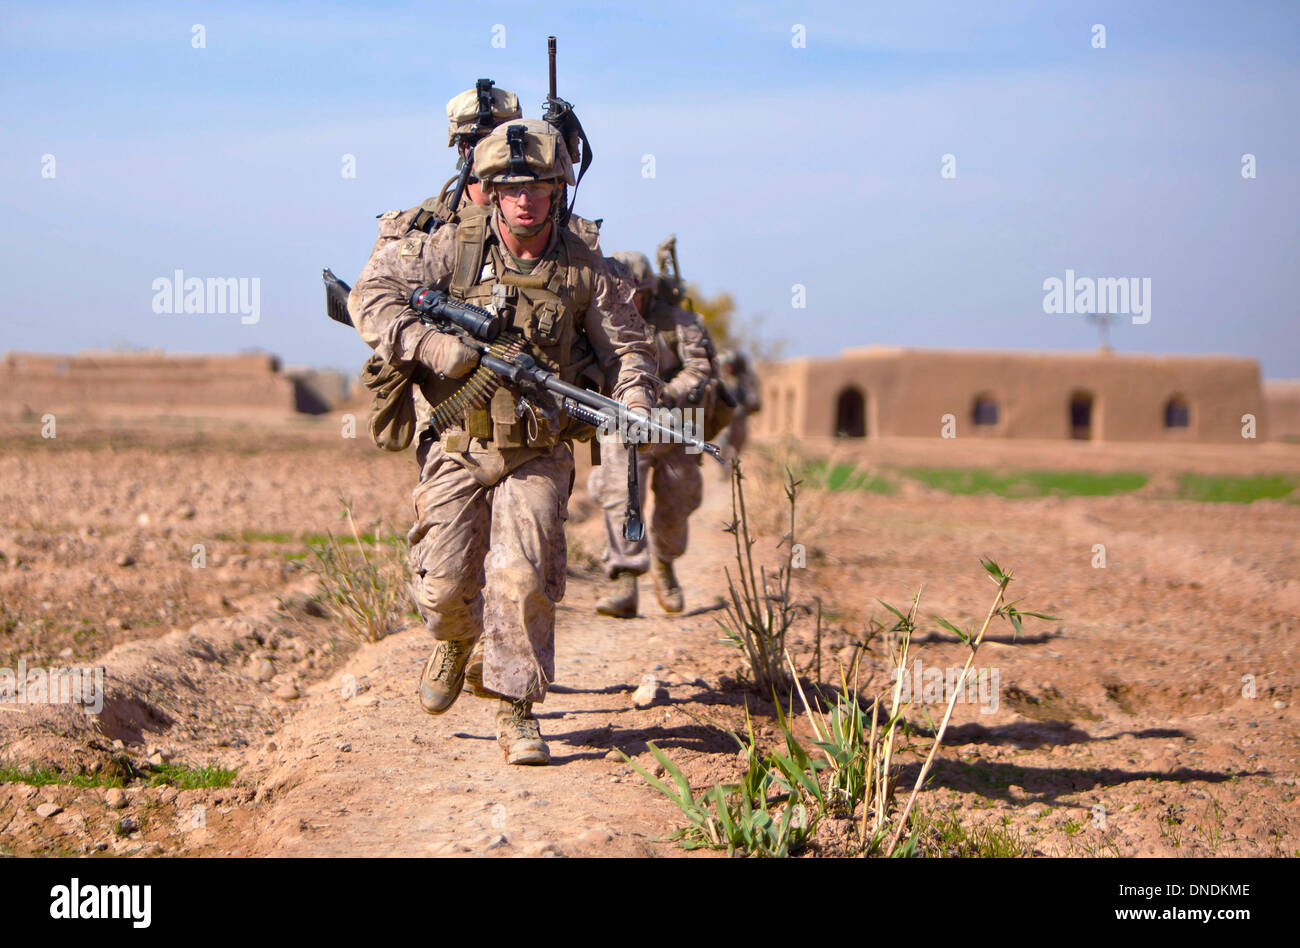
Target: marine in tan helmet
column 487, row 548
column 685, row 366
column 471, row 116
column 743, row 385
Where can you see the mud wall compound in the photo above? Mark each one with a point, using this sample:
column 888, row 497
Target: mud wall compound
column 158, row 383
column 1282, row 407
column 884, row 391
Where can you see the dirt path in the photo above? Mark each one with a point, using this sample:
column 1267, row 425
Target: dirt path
column 361, row 769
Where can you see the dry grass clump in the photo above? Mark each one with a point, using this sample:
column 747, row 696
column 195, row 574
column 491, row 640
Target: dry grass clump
column 363, row 584
column 761, row 609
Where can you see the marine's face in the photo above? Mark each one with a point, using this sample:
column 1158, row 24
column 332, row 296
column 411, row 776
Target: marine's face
column 526, row 208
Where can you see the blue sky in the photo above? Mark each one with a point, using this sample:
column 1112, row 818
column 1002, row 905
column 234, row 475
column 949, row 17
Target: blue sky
column 774, row 165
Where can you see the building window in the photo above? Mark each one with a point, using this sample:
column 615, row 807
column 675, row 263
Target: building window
column 1177, row 413
column 851, row 414
column 985, row 410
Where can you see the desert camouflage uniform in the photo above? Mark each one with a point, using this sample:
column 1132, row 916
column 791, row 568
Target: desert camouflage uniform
column 685, row 362
column 487, row 546
column 742, row 382
column 588, row 230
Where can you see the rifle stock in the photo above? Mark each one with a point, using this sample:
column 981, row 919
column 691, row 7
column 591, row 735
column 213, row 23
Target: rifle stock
column 336, row 298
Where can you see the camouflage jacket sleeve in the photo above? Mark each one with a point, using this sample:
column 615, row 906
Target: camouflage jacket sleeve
column 695, row 349
column 379, row 303
column 619, row 337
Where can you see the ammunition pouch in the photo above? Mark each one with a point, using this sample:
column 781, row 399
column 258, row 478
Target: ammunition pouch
column 392, row 403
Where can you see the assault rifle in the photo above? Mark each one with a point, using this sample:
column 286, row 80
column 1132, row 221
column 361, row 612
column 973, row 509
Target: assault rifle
column 543, row 392
column 549, row 393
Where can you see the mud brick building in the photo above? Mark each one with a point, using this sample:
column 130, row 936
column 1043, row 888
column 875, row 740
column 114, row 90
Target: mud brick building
column 157, row 383
column 886, row 391
column 1282, row 408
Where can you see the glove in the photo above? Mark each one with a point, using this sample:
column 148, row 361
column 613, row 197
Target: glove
column 446, row 355
column 638, row 401
column 671, row 396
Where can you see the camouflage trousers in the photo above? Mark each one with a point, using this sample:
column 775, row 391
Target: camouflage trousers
column 490, row 561
column 678, row 490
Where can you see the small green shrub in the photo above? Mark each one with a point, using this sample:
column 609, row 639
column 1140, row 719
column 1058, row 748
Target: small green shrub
column 772, row 811
column 191, row 778
column 38, row 776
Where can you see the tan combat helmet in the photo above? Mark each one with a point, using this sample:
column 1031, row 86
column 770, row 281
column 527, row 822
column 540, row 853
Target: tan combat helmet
column 636, row 268
column 477, row 111
column 526, row 150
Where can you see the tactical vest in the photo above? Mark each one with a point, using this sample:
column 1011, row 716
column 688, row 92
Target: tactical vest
column 545, row 308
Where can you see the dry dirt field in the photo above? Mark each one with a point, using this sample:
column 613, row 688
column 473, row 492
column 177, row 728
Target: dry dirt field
column 1157, row 717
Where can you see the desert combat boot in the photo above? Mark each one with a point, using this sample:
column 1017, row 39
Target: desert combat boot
column 474, row 676
column 621, row 601
column 444, row 675
column 667, row 590
column 519, row 734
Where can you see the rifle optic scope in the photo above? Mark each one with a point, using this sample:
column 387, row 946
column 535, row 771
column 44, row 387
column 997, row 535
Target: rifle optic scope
column 479, row 323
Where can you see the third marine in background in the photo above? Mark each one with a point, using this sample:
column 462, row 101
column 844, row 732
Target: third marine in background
column 741, row 382
column 688, row 368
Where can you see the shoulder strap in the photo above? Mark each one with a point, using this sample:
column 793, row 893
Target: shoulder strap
column 471, row 238
column 578, row 260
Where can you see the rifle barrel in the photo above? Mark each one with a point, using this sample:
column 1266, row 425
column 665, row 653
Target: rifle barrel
column 462, row 180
